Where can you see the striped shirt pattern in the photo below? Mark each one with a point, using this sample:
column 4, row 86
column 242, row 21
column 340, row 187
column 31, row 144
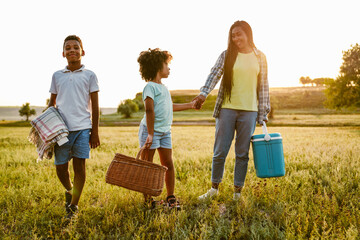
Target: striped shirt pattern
column 262, row 90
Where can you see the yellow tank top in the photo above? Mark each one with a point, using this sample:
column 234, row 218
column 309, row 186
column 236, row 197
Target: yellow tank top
column 243, row 92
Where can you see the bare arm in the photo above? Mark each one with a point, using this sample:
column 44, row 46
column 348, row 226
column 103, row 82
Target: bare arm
column 183, row 106
column 150, row 120
column 94, row 137
column 52, row 101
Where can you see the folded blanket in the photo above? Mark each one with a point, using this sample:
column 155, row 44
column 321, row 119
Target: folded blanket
column 48, row 129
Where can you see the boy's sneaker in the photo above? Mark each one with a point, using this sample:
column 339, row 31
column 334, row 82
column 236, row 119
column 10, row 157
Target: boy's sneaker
column 71, row 211
column 211, row 193
column 68, row 198
column 236, row 196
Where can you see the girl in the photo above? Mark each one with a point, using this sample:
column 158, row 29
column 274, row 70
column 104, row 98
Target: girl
column 155, row 127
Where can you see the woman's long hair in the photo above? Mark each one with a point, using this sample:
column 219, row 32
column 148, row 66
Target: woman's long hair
column 231, row 55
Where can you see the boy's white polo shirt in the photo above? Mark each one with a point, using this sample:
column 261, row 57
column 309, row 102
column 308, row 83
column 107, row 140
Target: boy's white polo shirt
column 73, row 96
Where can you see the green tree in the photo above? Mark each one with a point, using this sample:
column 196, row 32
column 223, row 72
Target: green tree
column 319, row 81
column 302, row 81
column 344, row 91
column 305, row 80
column 138, row 100
column 26, row 111
column 127, row 107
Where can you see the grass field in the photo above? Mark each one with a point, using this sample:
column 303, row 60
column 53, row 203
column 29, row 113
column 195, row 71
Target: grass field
column 292, row 106
column 317, row 199
column 297, row 118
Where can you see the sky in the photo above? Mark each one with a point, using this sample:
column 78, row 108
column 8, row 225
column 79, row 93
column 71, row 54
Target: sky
column 299, row 38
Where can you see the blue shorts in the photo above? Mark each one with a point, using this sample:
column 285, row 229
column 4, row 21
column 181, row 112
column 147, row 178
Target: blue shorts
column 160, row 140
column 77, row 146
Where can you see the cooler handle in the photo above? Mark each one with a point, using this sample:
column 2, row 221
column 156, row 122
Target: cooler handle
column 264, row 129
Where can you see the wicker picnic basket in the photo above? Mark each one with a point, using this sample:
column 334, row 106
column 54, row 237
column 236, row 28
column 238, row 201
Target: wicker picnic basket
column 136, row 174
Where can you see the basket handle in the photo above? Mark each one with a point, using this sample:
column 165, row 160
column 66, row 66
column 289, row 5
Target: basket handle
column 139, row 153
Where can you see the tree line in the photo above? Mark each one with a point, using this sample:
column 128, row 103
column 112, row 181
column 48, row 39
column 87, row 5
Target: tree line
column 316, row 81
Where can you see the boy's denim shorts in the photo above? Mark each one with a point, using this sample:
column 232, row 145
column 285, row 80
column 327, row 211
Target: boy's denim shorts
column 77, row 146
column 160, row 140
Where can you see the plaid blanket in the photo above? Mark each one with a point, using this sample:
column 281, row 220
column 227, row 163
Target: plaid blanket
column 47, row 129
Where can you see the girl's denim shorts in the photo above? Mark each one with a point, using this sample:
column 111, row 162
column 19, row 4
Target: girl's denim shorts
column 160, row 139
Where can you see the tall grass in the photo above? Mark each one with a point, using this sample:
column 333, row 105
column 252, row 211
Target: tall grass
column 317, row 199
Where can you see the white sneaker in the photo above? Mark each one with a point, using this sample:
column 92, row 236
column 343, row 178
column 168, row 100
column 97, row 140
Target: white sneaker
column 236, row 196
column 212, row 192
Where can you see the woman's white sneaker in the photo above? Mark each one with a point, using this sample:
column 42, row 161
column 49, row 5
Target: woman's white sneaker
column 212, row 192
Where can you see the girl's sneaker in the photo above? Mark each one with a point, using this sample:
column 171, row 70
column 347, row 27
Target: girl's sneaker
column 211, row 193
column 172, row 203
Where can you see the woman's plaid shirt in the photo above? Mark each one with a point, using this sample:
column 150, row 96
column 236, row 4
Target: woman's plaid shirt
column 262, row 86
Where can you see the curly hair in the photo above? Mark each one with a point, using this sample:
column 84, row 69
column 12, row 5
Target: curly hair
column 73, row 37
column 151, row 62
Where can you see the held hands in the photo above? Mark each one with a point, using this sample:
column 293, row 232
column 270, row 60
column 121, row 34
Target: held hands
column 193, row 104
column 198, row 101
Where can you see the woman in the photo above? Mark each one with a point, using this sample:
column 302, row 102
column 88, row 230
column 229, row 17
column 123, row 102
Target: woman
column 243, row 99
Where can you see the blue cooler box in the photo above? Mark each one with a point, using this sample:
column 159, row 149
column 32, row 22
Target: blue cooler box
column 268, row 155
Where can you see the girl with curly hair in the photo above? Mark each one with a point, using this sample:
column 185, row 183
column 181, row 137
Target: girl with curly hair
column 155, row 127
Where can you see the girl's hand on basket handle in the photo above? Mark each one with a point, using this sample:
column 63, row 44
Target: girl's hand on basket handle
column 149, row 141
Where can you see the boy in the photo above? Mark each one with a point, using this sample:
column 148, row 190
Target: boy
column 74, row 91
